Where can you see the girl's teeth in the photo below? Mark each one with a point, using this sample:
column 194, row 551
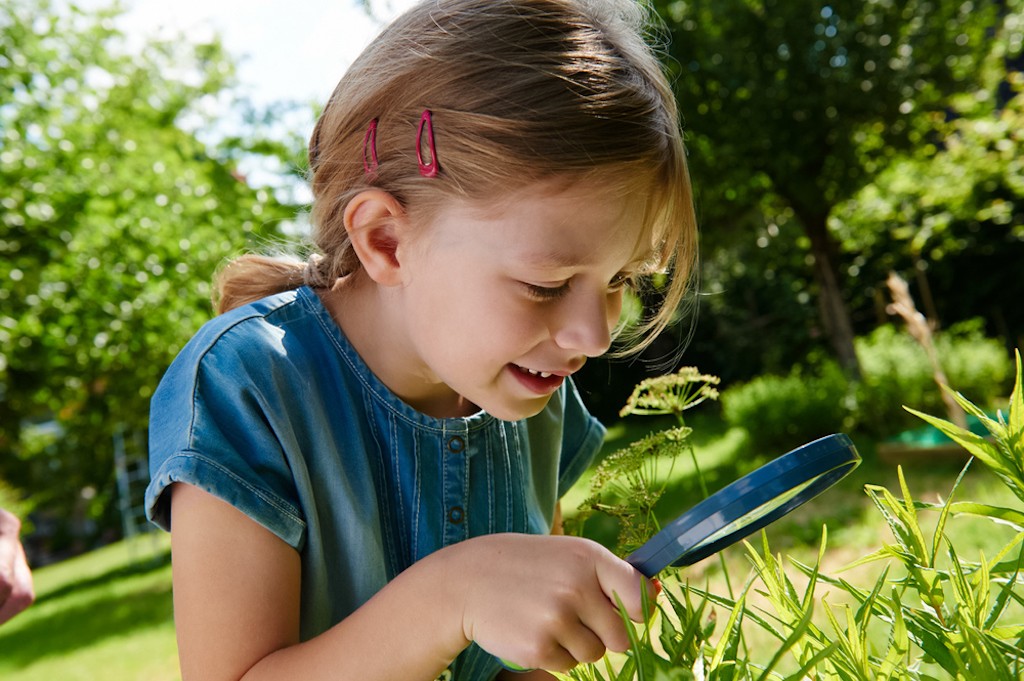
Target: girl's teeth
column 542, row 374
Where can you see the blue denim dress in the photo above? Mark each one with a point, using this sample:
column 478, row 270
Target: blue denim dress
column 270, row 408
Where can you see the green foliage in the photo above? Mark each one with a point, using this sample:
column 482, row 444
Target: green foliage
column 952, row 207
column 895, row 121
column 801, row 104
column 780, row 412
column 114, row 216
column 626, row 485
column 816, row 399
column 629, row 482
column 929, row 612
column 1004, row 451
column 896, row 371
column 815, row 82
column 956, row 192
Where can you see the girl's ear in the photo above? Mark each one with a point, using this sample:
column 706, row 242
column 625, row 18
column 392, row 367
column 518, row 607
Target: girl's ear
column 376, row 224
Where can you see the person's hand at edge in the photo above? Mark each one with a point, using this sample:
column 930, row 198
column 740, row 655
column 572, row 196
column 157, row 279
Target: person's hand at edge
column 16, row 591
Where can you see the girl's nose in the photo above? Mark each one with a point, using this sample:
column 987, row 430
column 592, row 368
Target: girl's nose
column 585, row 322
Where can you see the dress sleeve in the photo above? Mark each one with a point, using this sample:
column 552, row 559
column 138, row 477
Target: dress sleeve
column 582, row 437
column 211, row 426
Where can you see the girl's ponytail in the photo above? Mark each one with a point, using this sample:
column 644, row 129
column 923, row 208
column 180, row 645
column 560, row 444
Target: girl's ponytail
column 251, row 277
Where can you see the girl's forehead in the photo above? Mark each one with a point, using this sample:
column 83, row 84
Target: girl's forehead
column 554, row 201
column 553, row 224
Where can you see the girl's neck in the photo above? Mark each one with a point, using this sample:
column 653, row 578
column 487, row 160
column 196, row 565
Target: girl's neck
column 361, row 309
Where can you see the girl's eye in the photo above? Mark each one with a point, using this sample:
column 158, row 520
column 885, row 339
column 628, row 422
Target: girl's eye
column 544, row 293
column 619, row 281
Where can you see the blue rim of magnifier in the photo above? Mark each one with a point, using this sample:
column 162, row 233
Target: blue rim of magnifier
column 815, row 467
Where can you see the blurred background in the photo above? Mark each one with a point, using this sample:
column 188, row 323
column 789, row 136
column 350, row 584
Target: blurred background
column 832, row 145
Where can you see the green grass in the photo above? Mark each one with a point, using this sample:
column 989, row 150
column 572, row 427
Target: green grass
column 106, row 614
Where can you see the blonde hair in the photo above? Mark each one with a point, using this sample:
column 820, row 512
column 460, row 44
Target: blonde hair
column 520, row 91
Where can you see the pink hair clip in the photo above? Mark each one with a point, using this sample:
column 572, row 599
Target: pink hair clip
column 370, row 162
column 430, row 168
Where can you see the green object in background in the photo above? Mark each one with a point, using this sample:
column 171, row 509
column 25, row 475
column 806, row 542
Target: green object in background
column 930, row 436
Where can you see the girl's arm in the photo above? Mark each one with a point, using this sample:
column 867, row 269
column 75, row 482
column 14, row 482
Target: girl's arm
column 236, row 603
column 542, row 602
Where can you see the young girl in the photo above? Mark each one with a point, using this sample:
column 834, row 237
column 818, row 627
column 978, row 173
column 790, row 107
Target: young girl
column 361, row 459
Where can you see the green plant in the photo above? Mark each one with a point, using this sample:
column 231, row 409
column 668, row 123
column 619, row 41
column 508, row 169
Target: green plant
column 896, row 371
column 779, row 412
column 629, row 482
column 928, row 613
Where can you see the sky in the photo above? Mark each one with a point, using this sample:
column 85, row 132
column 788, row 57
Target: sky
column 284, row 49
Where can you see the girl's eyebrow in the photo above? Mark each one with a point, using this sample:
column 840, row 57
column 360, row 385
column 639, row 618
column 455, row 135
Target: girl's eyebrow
column 550, row 259
column 562, row 260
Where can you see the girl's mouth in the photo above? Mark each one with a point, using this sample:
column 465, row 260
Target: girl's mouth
column 539, row 382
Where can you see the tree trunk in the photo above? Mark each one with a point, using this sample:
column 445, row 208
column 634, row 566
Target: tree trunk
column 835, row 316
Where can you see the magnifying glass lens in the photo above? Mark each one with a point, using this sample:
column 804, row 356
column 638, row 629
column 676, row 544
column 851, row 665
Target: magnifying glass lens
column 749, row 504
column 754, row 515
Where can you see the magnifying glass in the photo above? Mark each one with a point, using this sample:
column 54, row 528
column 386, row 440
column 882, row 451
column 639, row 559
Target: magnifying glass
column 749, row 504
column 745, row 506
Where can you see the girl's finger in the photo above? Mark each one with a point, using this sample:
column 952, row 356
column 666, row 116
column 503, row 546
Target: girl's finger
column 583, row 644
column 621, row 580
column 555, row 658
column 605, row 622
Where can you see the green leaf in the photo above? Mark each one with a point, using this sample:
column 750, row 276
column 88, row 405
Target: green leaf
column 693, row 631
column 798, row 632
column 629, row 670
column 730, row 638
column 1008, row 516
column 1016, row 423
column 902, row 520
column 880, row 554
column 803, row 673
column 751, row 615
column 975, row 444
column 940, row 527
column 1009, row 632
column 868, row 605
column 995, row 428
column 899, row 642
column 638, row 650
column 1003, row 597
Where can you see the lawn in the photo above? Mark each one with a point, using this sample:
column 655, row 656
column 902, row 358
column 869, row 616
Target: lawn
column 104, row 615
column 108, row 614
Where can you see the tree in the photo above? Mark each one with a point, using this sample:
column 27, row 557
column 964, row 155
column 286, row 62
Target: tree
column 114, row 217
column 952, row 215
column 807, row 100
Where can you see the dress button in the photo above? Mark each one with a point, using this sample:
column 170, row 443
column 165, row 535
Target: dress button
column 456, row 515
column 446, row 675
column 456, row 444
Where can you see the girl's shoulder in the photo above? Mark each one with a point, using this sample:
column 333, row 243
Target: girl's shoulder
column 252, row 322
column 285, row 328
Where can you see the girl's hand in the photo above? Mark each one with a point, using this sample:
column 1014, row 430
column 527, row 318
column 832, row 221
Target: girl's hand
column 547, row 602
